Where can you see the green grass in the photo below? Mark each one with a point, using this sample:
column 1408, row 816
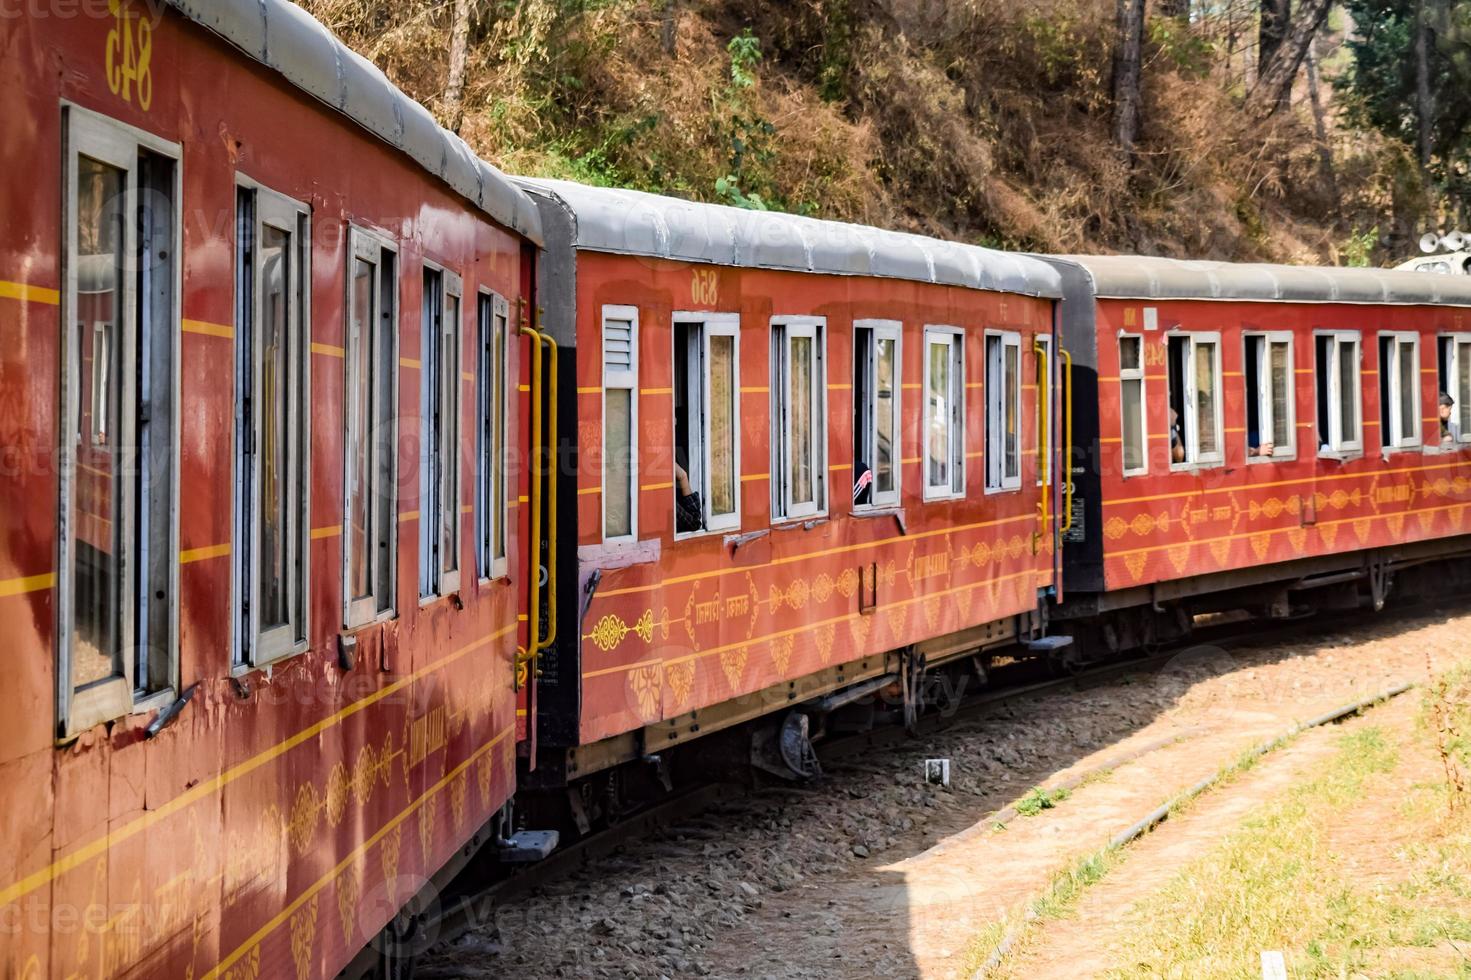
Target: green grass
column 1276, row 885
column 1040, row 799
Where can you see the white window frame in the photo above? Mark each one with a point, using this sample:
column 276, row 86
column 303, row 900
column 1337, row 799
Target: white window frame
column 492, row 373
column 1337, row 444
column 116, row 144
column 712, row 325
column 954, row 339
column 622, row 380
column 254, row 648
column 444, row 496
column 1455, row 369
column 1194, row 458
column 1390, row 417
column 1130, row 376
column 891, row 330
column 784, row 330
column 1266, row 418
column 997, row 479
column 1046, row 414
column 370, row 247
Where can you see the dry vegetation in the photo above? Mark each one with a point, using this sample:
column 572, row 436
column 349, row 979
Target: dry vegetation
column 984, row 120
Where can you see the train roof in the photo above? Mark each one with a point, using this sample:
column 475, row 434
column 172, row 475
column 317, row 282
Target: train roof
column 288, row 40
column 1139, row 277
column 629, row 222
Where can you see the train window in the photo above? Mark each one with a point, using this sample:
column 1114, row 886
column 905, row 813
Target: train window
column 798, row 417
column 1339, row 395
column 1042, row 349
column 1455, row 381
column 876, row 418
column 1399, row 390
column 117, row 638
column 707, row 453
column 271, row 373
column 1271, row 426
column 1132, row 406
column 620, row 423
column 1003, row 411
column 944, row 416
column 492, row 318
column 370, row 546
column 1194, row 374
column 439, row 440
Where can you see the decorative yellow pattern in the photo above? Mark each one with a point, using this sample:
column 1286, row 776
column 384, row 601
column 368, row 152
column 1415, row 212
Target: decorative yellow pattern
column 458, row 790
column 1135, row 564
column 427, row 814
column 733, row 663
column 781, row 653
column 304, row 937
column 349, row 887
column 248, row 968
column 1299, row 538
column 1396, row 524
column 1179, row 556
column 644, row 684
column 1361, row 529
column 483, row 767
column 822, row 588
column 797, row 593
column 898, row 617
column 1220, row 551
column 858, row 628
column 611, row 630
column 1260, row 542
column 848, row 582
column 304, row 815
column 388, row 853
column 1329, row 534
column 963, row 600
column 931, row 606
column 681, row 679
column 338, row 791
column 1426, row 520
column 825, row 636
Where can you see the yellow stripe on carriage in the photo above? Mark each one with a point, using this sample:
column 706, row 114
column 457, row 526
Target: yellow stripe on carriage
column 29, row 294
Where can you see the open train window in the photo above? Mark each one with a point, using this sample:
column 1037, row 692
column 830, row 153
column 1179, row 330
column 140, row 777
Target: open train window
column 370, row 532
column 492, row 316
column 876, row 418
column 1399, row 390
column 620, row 423
column 707, row 445
column 798, row 417
column 1132, row 405
column 1455, row 381
column 439, row 440
column 271, row 373
column 1003, row 411
column 117, row 636
column 1193, row 361
column 1271, row 426
column 1336, row 366
column 943, row 424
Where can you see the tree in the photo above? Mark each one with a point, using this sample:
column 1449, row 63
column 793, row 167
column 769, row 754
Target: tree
column 1127, row 59
column 1410, row 78
column 1274, row 79
column 1276, row 17
column 459, row 43
column 1178, row 9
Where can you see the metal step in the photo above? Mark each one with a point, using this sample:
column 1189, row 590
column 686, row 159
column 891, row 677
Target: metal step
column 528, row 846
column 1047, row 644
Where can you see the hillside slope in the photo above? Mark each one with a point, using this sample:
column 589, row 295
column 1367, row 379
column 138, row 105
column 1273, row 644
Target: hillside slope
column 981, row 120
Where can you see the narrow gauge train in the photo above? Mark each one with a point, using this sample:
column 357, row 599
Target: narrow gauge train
column 1263, row 438
column 259, row 313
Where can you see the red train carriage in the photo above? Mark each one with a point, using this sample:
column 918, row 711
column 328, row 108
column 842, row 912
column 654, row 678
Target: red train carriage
column 257, row 531
column 804, row 461
column 1266, row 437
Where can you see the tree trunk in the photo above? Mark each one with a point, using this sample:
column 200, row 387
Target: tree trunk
column 1424, row 102
column 1274, row 82
column 1320, row 125
column 666, row 34
column 1276, row 17
column 459, row 45
column 1128, row 55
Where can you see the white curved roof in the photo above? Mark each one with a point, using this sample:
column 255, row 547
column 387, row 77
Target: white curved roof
column 285, row 38
column 1137, row 277
column 635, row 223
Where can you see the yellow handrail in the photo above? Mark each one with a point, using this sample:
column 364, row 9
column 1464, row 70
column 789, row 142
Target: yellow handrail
column 1045, row 438
column 551, row 490
column 528, row 653
column 1067, row 460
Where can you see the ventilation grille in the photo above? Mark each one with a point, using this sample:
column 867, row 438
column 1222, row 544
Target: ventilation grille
column 617, row 345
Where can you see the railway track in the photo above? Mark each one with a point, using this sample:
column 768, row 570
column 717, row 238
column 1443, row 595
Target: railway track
column 462, row 911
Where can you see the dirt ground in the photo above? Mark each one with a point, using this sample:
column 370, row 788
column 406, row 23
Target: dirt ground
column 873, row 872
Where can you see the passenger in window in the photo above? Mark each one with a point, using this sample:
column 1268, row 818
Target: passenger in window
column 1450, row 430
column 1256, row 448
column 863, row 485
column 1177, row 438
column 689, row 513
